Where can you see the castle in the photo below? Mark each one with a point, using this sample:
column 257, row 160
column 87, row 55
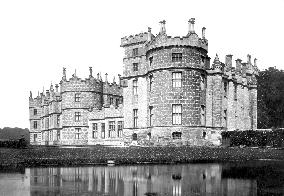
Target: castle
column 168, row 94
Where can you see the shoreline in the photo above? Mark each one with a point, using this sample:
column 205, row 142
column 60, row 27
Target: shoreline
column 46, row 156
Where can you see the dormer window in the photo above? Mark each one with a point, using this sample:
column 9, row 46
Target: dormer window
column 135, row 52
column 176, row 57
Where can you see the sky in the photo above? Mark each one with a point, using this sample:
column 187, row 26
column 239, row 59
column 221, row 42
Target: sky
column 38, row 38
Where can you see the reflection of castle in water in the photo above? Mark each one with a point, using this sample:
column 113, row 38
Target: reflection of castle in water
column 201, row 179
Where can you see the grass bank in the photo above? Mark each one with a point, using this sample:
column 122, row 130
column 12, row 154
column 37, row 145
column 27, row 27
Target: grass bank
column 41, row 156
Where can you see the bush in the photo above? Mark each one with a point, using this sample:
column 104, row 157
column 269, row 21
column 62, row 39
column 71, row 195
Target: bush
column 20, row 143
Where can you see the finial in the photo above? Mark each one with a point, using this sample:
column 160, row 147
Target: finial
column 106, row 77
column 91, row 72
column 98, row 76
column 51, row 86
column 149, row 34
column 56, row 87
column 31, row 95
column 114, row 80
column 255, row 62
column 248, row 58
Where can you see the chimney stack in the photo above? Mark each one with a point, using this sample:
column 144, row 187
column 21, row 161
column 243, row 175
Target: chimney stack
column 163, row 26
column 191, row 25
column 203, row 32
column 228, row 62
column 149, row 34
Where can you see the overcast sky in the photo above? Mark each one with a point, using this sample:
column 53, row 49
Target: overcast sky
column 38, row 38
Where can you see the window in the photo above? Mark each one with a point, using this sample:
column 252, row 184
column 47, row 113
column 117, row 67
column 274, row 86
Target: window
column 225, row 118
column 176, row 77
column 77, row 116
column 103, row 130
column 151, row 60
column 35, row 111
column 134, row 136
column 35, row 137
column 77, row 97
column 204, row 135
column 235, row 92
column 151, row 115
column 135, row 66
column 58, row 120
column 176, row 57
column 35, row 124
column 135, row 52
column 202, row 120
column 135, row 118
column 176, row 135
column 111, row 101
column 119, row 128
column 225, row 88
column 177, row 114
column 77, row 133
column 58, row 135
column 150, row 82
column 111, row 131
column 135, row 87
column 95, row 130
column 116, row 102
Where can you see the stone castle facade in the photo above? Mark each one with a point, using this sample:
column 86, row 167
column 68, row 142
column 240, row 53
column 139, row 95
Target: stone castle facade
column 168, row 94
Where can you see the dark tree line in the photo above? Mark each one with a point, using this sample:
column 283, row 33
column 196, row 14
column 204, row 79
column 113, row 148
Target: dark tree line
column 271, row 98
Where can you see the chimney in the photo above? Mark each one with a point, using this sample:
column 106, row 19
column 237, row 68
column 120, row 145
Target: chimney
column 56, row 88
column 149, row 34
column 91, row 72
column 249, row 59
column 255, row 62
column 64, row 74
column 163, row 26
column 191, row 25
column 238, row 65
column 228, row 62
column 203, row 32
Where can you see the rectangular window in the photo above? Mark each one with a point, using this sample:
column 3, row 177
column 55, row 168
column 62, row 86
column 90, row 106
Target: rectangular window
column 135, row 87
column 35, row 111
column 111, row 131
column 35, row 124
column 235, row 92
column 225, row 118
column 176, row 57
column 103, row 130
column 135, row 66
column 77, row 97
column 58, row 120
column 35, row 137
column 135, row 52
column 177, row 114
column 150, row 82
column 176, row 79
column 151, row 116
column 135, row 118
column 119, row 128
column 77, row 116
column 95, row 130
column 111, row 101
column 151, row 60
column 77, row 133
column 176, row 135
column 202, row 120
column 117, row 102
column 58, row 135
column 225, row 88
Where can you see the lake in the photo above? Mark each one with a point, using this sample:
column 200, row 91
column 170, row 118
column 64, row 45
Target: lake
column 220, row 179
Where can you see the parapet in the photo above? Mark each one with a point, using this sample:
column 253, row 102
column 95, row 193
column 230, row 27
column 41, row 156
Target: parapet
column 134, row 39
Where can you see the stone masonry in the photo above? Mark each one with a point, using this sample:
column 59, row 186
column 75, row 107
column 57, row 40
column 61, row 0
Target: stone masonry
column 169, row 94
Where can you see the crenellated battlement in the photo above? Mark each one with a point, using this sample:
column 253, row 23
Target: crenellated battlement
column 134, row 39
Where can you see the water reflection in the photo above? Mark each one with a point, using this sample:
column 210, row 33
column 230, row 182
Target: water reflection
column 149, row 180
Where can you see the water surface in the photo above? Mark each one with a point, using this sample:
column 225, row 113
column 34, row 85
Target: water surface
column 230, row 179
